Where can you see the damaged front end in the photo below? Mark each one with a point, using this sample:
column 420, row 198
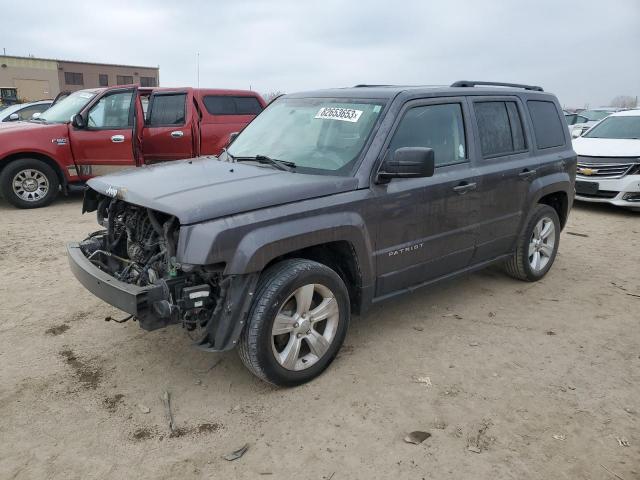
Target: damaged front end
column 132, row 265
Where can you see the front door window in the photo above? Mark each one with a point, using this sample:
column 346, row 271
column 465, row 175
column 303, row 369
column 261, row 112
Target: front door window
column 112, row 112
column 439, row 127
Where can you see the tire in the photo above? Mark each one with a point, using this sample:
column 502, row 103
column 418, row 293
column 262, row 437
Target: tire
column 281, row 293
column 34, row 174
column 522, row 264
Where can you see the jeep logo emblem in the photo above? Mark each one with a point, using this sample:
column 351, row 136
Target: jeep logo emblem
column 112, row 192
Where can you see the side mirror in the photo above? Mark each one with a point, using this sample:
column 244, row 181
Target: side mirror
column 14, row 117
column 78, row 121
column 36, row 115
column 576, row 132
column 232, row 137
column 409, row 162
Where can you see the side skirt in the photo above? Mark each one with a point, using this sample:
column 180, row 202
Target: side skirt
column 458, row 273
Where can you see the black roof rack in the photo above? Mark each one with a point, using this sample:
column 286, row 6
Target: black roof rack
column 470, row 83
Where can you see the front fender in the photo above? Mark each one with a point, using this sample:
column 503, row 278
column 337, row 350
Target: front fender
column 262, row 245
column 249, row 248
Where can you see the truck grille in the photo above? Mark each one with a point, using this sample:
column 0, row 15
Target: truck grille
column 603, row 167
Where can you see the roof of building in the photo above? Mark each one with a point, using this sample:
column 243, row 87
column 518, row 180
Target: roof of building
column 80, row 62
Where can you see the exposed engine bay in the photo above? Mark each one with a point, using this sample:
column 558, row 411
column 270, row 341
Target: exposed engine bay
column 138, row 247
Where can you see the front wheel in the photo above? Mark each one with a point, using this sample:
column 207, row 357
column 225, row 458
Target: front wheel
column 537, row 245
column 296, row 324
column 29, row 183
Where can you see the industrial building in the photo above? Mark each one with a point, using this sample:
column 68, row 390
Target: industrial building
column 30, row 78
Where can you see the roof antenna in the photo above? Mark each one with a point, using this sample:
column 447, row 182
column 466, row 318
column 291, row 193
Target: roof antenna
column 198, row 68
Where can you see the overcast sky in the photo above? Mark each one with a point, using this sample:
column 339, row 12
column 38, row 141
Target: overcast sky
column 585, row 51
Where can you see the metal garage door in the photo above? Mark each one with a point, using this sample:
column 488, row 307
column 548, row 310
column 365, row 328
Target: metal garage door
column 32, row 90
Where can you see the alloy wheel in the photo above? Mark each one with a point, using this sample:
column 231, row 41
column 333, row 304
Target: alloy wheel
column 542, row 244
column 30, row 185
column 305, row 327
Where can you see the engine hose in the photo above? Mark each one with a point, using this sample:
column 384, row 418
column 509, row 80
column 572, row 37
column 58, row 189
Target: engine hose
column 154, row 222
column 111, row 222
column 157, row 256
column 171, row 248
column 101, row 211
column 147, row 266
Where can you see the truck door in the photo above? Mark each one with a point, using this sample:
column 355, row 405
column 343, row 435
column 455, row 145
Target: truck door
column 427, row 225
column 168, row 130
column 105, row 144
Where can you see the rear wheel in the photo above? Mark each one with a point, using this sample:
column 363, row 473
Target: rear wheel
column 297, row 323
column 537, row 245
column 29, row 183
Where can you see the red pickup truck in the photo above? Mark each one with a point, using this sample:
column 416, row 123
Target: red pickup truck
column 96, row 131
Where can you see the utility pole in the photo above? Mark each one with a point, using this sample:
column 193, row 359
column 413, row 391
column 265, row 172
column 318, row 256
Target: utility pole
column 198, row 68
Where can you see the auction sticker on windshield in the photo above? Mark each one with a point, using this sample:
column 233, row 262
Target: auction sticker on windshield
column 336, row 113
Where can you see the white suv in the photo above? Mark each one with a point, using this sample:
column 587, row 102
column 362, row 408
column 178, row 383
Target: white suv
column 609, row 161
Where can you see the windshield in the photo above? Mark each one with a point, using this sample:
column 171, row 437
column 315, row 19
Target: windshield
column 623, row 127
column 11, row 109
column 320, row 135
column 594, row 115
column 62, row 111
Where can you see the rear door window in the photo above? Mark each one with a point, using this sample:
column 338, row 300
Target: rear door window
column 231, row 105
column 547, row 126
column 167, row 110
column 500, row 128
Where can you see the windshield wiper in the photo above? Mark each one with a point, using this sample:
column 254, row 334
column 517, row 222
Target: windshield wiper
column 279, row 164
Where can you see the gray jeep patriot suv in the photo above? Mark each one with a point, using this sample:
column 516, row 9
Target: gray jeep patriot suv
column 328, row 202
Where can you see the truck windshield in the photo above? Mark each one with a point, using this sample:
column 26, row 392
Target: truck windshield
column 320, row 135
column 62, row 111
column 623, row 127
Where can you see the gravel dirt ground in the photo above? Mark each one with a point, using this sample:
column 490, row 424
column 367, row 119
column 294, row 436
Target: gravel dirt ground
column 512, row 380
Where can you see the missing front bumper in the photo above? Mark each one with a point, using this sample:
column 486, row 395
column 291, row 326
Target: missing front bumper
column 153, row 305
column 135, row 300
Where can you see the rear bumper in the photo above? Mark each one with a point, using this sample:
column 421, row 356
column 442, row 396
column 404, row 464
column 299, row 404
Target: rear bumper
column 128, row 298
column 622, row 192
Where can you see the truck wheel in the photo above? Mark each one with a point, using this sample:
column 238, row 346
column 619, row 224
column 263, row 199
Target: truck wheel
column 296, row 324
column 537, row 246
column 29, row 183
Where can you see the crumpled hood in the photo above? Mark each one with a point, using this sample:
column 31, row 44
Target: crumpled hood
column 606, row 147
column 205, row 188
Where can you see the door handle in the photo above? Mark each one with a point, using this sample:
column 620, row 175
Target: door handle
column 464, row 187
column 117, row 138
column 177, row 134
column 526, row 173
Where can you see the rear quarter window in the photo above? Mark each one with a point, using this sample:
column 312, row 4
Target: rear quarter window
column 500, row 128
column 231, row 105
column 547, row 126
